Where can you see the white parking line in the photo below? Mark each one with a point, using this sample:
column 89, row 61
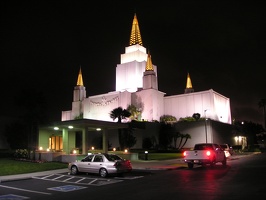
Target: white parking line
column 32, row 191
column 78, row 180
column 58, row 177
column 68, row 179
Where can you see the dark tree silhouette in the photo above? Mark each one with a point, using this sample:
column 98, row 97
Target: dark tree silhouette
column 262, row 104
column 31, row 112
column 196, row 116
column 119, row 114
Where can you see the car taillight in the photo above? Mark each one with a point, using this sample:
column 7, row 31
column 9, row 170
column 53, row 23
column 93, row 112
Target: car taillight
column 185, row 154
column 208, row 153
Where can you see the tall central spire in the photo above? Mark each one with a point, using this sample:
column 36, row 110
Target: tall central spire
column 135, row 37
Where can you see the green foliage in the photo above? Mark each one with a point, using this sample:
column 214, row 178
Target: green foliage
column 167, row 119
column 79, row 116
column 11, row 166
column 135, row 112
column 21, row 153
column 187, row 119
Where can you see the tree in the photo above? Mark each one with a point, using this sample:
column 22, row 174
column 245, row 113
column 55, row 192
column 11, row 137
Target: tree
column 249, row 130
column 262, row 104
column 128, row 139
column 120, row 113
column 31, row 107
column 134, row 112
column 187, row 136
column 166, row 135
column 182, row 136
column 196, row 116
column 176, row 135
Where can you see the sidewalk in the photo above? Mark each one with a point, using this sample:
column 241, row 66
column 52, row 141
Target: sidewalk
column 136, row 164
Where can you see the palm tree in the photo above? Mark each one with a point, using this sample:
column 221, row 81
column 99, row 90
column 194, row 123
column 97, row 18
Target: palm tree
column 262, row 105
column 176, row 135
column 187, row 136
column 134, row 112
column 120, row 114
column 182, row 136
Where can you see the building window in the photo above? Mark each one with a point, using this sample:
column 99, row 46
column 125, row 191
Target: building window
column 56, row 143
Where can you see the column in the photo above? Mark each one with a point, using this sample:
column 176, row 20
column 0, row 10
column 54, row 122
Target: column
column 85, row 141
column 65, row 141
column 105, row 140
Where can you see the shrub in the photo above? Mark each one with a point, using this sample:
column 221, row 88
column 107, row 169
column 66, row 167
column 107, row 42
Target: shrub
column 21, row 153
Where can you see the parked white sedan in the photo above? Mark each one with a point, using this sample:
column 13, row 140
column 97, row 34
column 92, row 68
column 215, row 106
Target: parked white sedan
column 228, row 151
column 102, row 164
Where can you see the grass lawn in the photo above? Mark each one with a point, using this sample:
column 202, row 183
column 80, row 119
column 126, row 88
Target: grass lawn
column 9, row 166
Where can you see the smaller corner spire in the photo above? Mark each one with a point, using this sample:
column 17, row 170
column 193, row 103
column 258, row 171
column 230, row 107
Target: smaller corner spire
column 189, row 83
column 189, row 88
column 80, row 79
column 149, row 66
column 135, row 37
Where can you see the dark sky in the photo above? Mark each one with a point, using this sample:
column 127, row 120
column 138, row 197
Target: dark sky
column 220, row 43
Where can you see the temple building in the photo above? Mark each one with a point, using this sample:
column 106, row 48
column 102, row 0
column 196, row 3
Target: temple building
column 137, row 85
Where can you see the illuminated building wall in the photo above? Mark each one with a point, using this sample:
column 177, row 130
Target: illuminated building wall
column 129, row 73
column 137, row 84
column 208, row 103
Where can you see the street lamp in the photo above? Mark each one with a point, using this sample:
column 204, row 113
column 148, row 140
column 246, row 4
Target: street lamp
column 206, row 125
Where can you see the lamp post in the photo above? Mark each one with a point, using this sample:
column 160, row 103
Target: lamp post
column 206, row 125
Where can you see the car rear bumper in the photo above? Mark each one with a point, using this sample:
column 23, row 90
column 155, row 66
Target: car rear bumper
column 198, row 162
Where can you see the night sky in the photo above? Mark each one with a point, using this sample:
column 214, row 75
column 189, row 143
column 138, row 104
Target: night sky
column 220, row 43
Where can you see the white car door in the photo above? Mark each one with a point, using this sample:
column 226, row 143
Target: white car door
column 85, row 164
column 96, row 164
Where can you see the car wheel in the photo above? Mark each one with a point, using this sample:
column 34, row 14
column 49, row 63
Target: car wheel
column 103, row 172
column 74, row 170
column 190, row 165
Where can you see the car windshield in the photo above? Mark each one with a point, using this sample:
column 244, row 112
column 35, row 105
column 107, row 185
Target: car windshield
column 112, row 157
column 203, row 147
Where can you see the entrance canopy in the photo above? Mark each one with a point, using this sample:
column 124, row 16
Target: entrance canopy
column 67, row 128
column 78, row 124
